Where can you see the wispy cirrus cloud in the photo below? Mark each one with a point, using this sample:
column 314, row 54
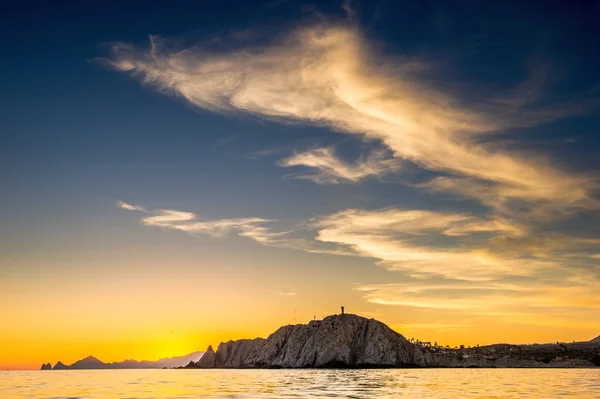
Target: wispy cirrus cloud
column 424, row 242
column 331, row 169
column 328, row 75
column 477, row 251
column 171, row 219
column 264, row 231
column 130, row 207
column 417, row 242
column 254, row 228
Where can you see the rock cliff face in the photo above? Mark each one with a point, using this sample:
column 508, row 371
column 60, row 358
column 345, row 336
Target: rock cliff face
column 336, row 341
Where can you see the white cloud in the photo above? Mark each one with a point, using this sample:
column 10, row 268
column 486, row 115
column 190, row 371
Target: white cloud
column 452, row 245
column 263, row 231
column 328, row 75
column 331, row 169
column 169, row 218
column 420, row 243
column 415, row 222
column 254, row 228
column 130, row 207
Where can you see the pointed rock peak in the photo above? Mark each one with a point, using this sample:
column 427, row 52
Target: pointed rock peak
column 59, row 366
column 208, row 359
column 91, row 359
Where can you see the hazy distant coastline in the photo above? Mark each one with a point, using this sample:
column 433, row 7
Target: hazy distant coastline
column 92, row 363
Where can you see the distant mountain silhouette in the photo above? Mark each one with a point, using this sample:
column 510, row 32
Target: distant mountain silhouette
column 596, row 340
column 93, row 363
column 59, row 366
column 89, row 362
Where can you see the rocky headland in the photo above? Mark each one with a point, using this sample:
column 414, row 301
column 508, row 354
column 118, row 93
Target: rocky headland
column 351, row 341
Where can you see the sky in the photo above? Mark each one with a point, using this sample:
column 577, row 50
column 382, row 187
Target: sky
column 177, row 174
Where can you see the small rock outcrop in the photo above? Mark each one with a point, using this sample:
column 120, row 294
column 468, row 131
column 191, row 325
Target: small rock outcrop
column 46, row 366
column 344, row 340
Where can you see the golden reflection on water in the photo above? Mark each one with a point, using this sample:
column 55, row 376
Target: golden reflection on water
column 413, row 383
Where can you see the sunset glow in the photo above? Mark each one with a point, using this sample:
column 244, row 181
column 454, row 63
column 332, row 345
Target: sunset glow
column 180, row 182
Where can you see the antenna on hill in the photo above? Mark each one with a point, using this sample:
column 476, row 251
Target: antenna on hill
column 294, row 316
column 343, row 309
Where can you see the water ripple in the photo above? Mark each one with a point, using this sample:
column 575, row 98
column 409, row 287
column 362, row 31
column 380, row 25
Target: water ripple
column 313, row 384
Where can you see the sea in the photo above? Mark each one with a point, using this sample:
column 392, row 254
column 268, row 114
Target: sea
column 378, row 383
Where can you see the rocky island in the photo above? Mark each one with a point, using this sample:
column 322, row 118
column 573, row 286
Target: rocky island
column 351, row 341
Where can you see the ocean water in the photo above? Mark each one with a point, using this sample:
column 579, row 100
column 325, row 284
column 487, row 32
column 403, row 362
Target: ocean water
column 412, row 383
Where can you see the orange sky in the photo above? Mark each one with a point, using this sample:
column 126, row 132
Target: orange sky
column 147, row 316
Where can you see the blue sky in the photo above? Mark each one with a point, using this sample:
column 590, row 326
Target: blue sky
column 421, row 158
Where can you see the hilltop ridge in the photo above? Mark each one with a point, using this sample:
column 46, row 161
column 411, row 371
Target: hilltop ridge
column 344, row 340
